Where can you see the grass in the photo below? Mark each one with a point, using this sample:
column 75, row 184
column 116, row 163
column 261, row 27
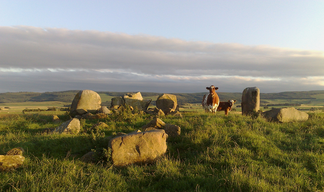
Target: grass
column 213, row 153
column 18, row 107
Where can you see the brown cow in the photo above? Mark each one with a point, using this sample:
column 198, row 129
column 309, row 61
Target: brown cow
column 226, row 106
column 210, row 101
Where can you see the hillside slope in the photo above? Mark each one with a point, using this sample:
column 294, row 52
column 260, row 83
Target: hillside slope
column 298, row 97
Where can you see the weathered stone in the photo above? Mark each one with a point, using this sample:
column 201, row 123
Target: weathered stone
column 9, row 162
column 150, row 111
column 100, row 116
column 47, row 130
column 136, row 96
column 156, row 123
column 78, row 116
column 136, row 100
column 16, row 151
column 250, row 100
column 172, row 130
column 284, row 115
column 176, row 114
column 121, row 133
column 88, row 157
column 167, row 103
column 116, row 102
column 160, row 113
column 88, row 116
column 55, row 118
column 100, row 125
column 131, row 99
column 85, row 101
column 150, row 129
column 144, row 147
column 105, row 110
column 72, row 126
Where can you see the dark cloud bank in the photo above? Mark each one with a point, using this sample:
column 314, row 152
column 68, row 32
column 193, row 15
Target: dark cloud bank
column 37, row 59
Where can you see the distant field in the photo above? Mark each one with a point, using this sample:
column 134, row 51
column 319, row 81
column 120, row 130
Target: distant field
column 17, row 108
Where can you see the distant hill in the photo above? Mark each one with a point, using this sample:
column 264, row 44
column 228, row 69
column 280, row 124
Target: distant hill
column 297, row 97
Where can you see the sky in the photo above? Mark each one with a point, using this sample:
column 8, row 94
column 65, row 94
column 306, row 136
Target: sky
column 164, row 46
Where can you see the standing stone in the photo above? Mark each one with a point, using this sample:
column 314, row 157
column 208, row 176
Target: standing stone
column 167, row 103
column 72, row 126
column 142, row 147
column 85, row 101
column 285, row 115
column 250, row 100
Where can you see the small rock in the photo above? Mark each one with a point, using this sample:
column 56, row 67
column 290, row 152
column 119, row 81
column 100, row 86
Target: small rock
column 172, row 130
column 16, row 151
column 72, row 126
column 88, row 157
column 10, row 162
column 156, row 123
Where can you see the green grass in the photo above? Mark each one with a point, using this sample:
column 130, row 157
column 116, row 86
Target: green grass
column 213, row 153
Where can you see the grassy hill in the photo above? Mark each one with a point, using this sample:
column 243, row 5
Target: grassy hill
column 315, row 98
column 213, row 153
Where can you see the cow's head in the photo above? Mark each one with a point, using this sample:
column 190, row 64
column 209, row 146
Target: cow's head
column 231, row 102
column 212, row 88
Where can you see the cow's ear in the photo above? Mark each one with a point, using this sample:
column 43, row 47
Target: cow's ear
column 234, row 101
column 216, row 88
column 229, row 101
column 208, row 88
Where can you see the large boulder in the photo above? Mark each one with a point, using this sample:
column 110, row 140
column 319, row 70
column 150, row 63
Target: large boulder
column 250, row 100
column 142, row 147
column 9, row 162
column 167, row 103
column 72, row 127
column 285, row 115
column 85, row 101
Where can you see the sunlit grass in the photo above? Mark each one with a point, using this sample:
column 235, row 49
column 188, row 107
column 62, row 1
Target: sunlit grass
column 213, row 153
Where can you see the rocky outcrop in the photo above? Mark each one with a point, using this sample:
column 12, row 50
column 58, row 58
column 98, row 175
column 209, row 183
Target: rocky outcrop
column 250, row 100
column 167, row 103
column 285, row 115
column 136, row 148
column 116, row 102
column 85, row 101
column 72, row 127
column 135, row 100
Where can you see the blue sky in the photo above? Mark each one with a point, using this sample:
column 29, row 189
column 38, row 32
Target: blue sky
column 161, row 46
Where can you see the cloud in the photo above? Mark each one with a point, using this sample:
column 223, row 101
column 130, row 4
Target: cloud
column 72, row 59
